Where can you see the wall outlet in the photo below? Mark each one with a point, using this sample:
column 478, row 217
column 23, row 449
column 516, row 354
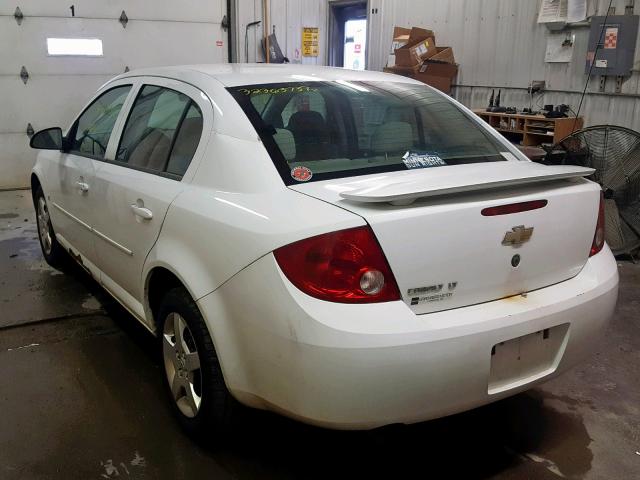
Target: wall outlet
column 536, row 86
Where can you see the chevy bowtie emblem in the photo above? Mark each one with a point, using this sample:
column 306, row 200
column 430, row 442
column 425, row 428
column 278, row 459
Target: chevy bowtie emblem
column 517, row 236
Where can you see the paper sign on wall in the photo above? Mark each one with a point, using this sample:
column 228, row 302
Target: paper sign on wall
column 567, row 11
column 611, row 38
column 559, row 48
column 310, row 41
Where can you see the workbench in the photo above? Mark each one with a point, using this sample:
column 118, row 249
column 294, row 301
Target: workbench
column 531, row 129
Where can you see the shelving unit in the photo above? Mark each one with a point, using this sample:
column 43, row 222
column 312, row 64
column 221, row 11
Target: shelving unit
column 531, row 129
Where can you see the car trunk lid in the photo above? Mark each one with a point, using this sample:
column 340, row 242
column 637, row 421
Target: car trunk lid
column 446, row 254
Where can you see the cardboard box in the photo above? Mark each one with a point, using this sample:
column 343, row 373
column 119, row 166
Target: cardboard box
column 405, row 71
column 420, row 46
column 438, row 75
column 400, row 39
column 444, row 55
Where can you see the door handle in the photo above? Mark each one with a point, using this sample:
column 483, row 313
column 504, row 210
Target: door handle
column 142, row 212
column 83, row 186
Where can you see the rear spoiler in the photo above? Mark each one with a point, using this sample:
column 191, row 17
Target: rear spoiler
column 403, row 188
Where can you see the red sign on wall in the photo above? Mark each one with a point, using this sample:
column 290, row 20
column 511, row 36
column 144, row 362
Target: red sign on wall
column 611, row 38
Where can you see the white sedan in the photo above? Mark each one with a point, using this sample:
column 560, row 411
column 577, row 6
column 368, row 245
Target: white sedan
column 350, row 249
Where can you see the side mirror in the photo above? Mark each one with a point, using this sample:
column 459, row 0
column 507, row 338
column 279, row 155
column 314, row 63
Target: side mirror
column 47, row 139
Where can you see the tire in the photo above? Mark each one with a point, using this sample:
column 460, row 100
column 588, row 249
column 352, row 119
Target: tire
column 52, row 251
column 204, row 407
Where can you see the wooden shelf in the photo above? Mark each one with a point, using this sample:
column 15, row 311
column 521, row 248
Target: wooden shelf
column 541, row 133
column 507, row 130
column 530, row 126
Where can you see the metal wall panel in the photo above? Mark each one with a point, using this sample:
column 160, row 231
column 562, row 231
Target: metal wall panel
column 162, row 32
column 157, row 10
column 498, row 43
column 287, row 18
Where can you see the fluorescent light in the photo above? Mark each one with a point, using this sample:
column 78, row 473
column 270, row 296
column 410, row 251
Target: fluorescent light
column 75, row 46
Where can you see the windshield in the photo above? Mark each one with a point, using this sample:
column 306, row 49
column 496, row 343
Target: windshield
column 322, row 130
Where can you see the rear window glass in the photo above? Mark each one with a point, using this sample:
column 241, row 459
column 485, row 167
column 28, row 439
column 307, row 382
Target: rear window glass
column 321, row 130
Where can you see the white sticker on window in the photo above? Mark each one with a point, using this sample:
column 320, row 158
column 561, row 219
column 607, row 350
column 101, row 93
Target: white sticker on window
column 422, row 160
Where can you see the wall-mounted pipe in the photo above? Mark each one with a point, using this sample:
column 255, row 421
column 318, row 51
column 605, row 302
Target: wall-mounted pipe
column 246, row 39
column 265, row 30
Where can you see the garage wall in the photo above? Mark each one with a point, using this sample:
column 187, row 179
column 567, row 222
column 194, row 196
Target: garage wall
column 288, row 17
column 161, row 32
column 499, row 44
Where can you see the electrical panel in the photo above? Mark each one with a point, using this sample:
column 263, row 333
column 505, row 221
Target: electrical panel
column 615, row 43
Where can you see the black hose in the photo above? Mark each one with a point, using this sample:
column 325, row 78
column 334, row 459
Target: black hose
column 246, row 38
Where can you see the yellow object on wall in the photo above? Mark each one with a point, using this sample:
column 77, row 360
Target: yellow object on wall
column 310, row 41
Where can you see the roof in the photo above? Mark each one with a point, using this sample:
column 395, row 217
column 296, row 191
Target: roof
column 236, row 74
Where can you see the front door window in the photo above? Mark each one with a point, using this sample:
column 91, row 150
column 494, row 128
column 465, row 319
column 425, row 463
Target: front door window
column 92, row 130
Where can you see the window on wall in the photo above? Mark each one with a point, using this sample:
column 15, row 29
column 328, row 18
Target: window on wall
column 84, row 47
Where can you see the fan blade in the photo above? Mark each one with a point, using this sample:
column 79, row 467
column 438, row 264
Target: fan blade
column 630, row 222
column 612, row 226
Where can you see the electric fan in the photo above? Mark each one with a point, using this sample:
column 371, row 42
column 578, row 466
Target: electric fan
column 614, row 152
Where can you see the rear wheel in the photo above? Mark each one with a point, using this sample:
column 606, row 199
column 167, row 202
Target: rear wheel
column 52, row 251
column 192, row 374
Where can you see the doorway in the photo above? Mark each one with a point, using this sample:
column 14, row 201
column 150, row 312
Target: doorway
column 348, row 34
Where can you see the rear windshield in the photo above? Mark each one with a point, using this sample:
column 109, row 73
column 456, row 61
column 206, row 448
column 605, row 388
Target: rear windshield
column 322, row 130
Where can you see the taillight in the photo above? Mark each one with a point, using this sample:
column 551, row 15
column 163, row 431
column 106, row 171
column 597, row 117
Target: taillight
column 346, row 266
column 513, row 208
column 598, row 237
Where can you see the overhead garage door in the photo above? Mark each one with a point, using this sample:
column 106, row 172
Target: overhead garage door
column 159, row 32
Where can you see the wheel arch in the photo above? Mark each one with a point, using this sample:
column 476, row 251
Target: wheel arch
column 159, row 279
column 35, row 183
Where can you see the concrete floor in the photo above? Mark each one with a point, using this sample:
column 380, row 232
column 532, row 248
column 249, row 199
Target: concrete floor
column 81, row 398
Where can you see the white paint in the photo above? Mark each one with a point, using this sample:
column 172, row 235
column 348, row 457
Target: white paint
column 22, row 347
column 138, row 460
column 548, row 464
column 111, row 470
column 91, row 303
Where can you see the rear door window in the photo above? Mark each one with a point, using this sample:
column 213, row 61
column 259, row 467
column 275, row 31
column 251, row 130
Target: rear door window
column 162, row 132
column 186, row 141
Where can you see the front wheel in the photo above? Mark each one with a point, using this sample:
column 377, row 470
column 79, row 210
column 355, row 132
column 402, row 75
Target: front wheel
column 192, row 373
column 52, row 251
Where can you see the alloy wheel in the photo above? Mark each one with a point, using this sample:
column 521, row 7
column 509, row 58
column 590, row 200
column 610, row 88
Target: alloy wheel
column 44, row 226
column 182, row 365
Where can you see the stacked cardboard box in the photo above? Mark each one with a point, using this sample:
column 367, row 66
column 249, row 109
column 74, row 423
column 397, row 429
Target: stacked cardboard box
column 414, row 54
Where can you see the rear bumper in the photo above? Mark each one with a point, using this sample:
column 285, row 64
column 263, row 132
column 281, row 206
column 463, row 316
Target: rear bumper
column 364, row 366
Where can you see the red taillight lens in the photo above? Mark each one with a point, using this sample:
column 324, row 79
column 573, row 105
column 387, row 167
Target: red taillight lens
column 598, row 237
column 347, row 266
column 513, row 208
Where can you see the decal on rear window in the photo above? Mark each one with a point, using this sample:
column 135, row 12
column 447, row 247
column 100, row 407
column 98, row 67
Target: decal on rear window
column 301, row 174
column 422, row 160
column 277, row 91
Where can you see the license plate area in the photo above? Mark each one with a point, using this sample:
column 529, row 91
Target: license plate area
column 525, row 359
